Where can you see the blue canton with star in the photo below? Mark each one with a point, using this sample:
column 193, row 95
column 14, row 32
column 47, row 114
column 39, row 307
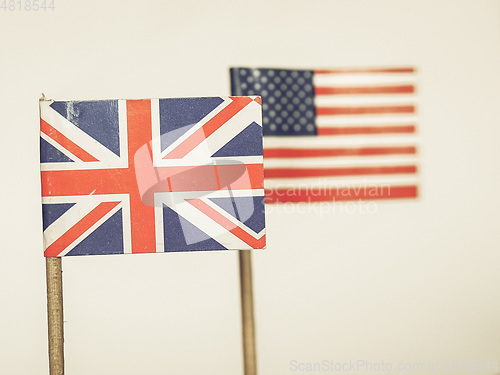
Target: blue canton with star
column 287, row 98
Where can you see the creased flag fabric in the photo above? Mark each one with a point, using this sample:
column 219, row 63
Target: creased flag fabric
column 338, row 134
column 155, row 175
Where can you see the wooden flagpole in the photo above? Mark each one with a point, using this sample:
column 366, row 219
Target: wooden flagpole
column 249, row 352
column 55, row 315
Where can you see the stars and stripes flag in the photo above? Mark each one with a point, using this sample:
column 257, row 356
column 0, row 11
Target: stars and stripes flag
column 158, row 175
column 338, row 134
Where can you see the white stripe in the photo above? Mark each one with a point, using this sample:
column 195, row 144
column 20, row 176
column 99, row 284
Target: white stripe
column 339, row 141
column 164, row 197
column 123, row 129
column 211, row 161
column 127, row 224
column 396, row 119
column 362, row 79
column 155, row 124
column 360, row 161
column 353, row 100
column 79, row 165
column 160, row 238
column 304, row 183
column 237, row 160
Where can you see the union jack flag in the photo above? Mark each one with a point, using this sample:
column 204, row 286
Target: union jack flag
column 156, row 175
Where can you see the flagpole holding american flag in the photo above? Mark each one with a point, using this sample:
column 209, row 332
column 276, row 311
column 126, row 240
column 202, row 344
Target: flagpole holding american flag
column 247, row 316
column 55, row 315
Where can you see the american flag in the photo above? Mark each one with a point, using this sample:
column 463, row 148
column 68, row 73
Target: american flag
column 155, row 175
column 338, row 134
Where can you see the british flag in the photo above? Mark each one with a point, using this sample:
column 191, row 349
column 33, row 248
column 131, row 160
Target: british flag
column 155, row 175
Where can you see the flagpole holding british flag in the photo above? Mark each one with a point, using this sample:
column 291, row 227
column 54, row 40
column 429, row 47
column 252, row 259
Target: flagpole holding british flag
column 55, row 315
column 150, row 176
column 247, row 316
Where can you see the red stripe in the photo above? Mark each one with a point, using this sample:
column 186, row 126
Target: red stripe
column 228, row 224
column 365, row 70
column 403, row 89
column 335, row 172
column 142, row 216
column 365, row 110
column 65, row 142
column 325, row 152
column 87, row 181
column 120, row 181
column 237, row 104
column 340, row 194
column 349, row 130
column 79, row 228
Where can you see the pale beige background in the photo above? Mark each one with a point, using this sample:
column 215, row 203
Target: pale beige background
column 414, row 282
